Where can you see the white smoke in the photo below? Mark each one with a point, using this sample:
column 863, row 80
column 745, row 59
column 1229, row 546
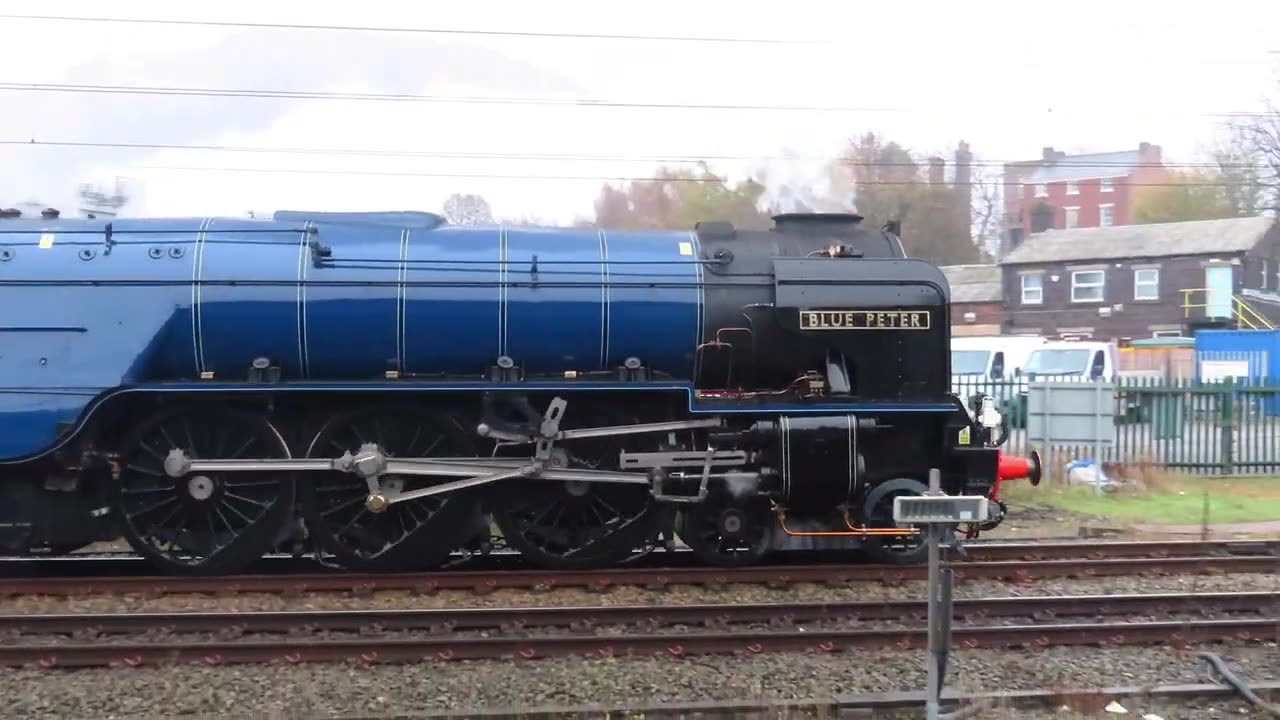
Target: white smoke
column 805, row 183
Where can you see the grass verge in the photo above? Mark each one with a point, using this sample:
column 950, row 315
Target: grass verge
column 1161, row 500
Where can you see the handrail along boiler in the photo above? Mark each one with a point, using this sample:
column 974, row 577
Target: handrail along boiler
column 385, row 387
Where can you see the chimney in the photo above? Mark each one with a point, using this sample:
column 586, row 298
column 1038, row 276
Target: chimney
column 964, row 190
column 1149, row 153
column 964, row 160
column 1047, row 154
column 936, row 170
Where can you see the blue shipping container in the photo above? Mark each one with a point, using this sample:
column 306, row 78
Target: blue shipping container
column 1260, row 348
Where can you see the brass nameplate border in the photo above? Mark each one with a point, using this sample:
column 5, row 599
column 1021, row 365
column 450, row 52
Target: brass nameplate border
column 864, row 319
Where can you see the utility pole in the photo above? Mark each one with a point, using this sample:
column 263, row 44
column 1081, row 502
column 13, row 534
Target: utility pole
column 939, row 513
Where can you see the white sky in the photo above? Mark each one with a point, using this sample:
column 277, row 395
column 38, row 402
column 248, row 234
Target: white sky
column 1008, row 77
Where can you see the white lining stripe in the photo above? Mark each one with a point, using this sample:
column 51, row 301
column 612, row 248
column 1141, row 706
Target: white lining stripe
column 401, row 302
column 502, row 290
column 204, row 243
column 306, row 343
column 786, row 457
column 197, row 354
column 301, row 299
column 605, row 301
column 852, row 455
column 702, row 290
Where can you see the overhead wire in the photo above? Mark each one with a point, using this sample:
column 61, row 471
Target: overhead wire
column 573, row 102
column 574, row 157
column 701, row 179
column 409, row 97
column 173, row 91
column 419, row 30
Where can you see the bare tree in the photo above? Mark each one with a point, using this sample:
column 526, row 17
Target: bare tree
column 985, row 201
column 462, row 209
column 1254, row 153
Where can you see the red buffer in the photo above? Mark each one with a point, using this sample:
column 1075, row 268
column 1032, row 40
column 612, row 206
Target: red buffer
column 1010, row 467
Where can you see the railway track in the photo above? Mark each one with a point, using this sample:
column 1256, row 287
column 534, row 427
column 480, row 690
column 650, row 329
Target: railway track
column 519, row 619
column 882, row 705
column 479, row 647
column 97, row 564
column 481, row 581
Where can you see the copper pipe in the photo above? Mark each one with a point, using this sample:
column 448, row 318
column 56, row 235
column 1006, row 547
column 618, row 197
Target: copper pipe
column 877, row 531
column 859, row 532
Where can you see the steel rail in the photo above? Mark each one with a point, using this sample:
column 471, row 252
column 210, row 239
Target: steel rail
column 1058, row 550
column 366, row 650
column 1079, row 698
column 125, row 561
column 480, row 581
column 580, row 617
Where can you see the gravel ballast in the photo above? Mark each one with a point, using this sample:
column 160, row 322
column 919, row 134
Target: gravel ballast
column 347, row 689
column 683, row 595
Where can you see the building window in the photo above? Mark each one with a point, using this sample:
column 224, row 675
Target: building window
column 1042, row 191
column 1073, row 217
column 1264, row 274
column 1166, row 333
column 1146, row 284
column 1107, row 185
column 1073, row 188
column 1032, row 289
column 1087, row 285
column 1106, row 215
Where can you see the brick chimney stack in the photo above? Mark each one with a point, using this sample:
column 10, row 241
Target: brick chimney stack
column 937, row 168
column 964, row 190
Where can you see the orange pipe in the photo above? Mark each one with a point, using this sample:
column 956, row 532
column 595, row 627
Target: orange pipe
column 851, row 532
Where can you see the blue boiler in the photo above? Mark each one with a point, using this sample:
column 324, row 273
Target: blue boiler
column 89, row 307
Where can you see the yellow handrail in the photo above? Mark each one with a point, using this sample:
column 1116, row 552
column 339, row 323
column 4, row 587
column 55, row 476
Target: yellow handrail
column 1242, row 312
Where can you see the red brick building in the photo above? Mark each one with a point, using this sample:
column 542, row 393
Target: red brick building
column 1061, row 191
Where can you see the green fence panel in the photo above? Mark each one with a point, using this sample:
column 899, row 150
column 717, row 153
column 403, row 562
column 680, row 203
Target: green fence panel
column 1230, row 427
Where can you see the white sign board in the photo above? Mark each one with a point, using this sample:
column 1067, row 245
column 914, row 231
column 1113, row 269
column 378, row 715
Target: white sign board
column 1218, row 370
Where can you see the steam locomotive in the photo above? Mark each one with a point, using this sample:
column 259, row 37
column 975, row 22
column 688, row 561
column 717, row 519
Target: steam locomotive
column 390, row 389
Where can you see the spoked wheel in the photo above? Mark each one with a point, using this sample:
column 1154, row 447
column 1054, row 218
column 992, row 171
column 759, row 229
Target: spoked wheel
column 202, row 523
column 574, row 525
column 412, row 534
column 895, row 550
column 727, row 533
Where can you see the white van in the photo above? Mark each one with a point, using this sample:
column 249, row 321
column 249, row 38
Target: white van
column 1068, row 360
column 985, row 365
column 992, row 357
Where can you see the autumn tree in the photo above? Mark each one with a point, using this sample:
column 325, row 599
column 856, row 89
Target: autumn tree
column 888, row 184
column 1242, row 178
column 462, row 209
column 1188, row 195
column 678, row 199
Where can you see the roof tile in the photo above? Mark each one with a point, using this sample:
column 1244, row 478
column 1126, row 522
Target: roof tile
column 1199, row 237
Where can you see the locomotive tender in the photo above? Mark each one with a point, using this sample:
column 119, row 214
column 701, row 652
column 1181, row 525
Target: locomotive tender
column 384, row 387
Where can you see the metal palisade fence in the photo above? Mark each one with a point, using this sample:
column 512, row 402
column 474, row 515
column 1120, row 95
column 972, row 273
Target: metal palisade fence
column 1191, row 426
